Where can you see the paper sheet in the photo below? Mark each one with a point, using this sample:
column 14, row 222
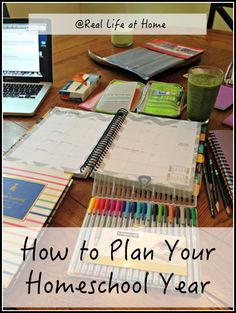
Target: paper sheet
column 164, row 149
column 63, row 140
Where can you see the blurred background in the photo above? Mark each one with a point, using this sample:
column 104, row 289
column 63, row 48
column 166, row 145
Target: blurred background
column 23, row 9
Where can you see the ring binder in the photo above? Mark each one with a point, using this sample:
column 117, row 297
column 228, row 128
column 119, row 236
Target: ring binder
column 95, row 158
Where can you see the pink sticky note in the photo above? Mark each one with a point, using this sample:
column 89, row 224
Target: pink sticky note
column 90, row 103
column 229, row 121
column 225, row 98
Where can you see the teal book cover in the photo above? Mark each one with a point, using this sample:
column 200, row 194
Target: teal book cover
column 19, row 196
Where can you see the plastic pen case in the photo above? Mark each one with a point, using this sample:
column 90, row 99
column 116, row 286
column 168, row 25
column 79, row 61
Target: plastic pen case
column 154, row 98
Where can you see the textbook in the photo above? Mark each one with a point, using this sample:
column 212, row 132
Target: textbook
column 26, row 213
column 128, row 145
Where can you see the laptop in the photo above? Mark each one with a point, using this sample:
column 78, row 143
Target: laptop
column 26, row 65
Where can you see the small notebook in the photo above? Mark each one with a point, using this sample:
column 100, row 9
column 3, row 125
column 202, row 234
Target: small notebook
column 221, row 143
column 224, row 99
column 37, row 213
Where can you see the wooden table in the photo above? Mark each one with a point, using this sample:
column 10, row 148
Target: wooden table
column 70, row 57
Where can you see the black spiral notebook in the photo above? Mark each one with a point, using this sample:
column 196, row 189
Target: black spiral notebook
column 221, row 143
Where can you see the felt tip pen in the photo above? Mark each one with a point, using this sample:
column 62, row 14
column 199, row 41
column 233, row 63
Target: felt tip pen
column 154, row 217
column 94, row 212
column 89, row 212
column 193, row 216
column 120, row 217
column 116, row 212
column 148, row 215
column 165, row 215
column 138, row 213
column 99, row 212
column 144, row 211
column 171, row 215
column 110, row 213
column 126, row 214
column 105, row 212
column 182, row 216
column 160, row 214
column 132, row 214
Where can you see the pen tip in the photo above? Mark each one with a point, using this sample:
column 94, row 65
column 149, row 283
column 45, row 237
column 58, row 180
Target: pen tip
column 217, row 207
column 228, row 211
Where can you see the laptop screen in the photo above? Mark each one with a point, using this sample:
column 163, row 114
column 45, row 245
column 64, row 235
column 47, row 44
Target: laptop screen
column 26, row 50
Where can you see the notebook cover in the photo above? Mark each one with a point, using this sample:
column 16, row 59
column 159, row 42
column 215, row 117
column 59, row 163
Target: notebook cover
column 15, row 230
column 225, row 141
column 225, row 98
column 229, row 121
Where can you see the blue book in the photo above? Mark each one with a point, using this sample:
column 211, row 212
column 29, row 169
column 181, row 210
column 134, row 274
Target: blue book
column 19, row 196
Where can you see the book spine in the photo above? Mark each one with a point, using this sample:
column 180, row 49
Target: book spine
column 222, row 165
column 97, row 155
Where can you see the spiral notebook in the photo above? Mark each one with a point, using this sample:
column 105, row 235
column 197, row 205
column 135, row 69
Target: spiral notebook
column 159, row 152
column 221, row 143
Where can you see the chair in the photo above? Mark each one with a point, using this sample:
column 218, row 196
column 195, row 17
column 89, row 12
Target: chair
column 219, row 7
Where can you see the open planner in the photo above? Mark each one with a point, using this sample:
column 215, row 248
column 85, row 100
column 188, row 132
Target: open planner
column 143, row 152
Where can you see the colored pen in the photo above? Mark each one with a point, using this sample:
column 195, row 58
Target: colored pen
column 120, row 217
column 195, row 264
column 99, row 212
column 176, row 233
column 105, row 212
column 189, row 245
column 126, row 215
column 160, row 214
column 154, row 217
column 148, row 215
column 227, row 209
column 165, row 215
column 144, row 211
column 182, row 217
column 208, row 170
column 138, row 213
column 171, row 216
column 88, row 213
column 116, row 213
column 110, row 213
column 132, row 214
column 215, row 195
column 212, row 211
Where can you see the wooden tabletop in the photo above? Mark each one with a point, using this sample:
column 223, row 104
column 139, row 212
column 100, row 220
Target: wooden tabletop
column 70, row 57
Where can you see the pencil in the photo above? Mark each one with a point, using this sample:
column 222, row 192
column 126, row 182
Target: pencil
column 215, row 195
column 208, row 170
column 212, row 211
column 227, row 209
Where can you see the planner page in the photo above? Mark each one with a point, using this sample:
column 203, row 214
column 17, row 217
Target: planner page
column 162, row 150
column 62, row 140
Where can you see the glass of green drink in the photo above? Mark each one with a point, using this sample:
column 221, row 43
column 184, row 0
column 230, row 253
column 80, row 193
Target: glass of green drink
column 203, row 86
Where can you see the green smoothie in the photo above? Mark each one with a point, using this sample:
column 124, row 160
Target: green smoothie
column 201, row 95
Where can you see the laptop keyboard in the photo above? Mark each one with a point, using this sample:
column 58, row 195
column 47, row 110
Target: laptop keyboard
column 21, row 90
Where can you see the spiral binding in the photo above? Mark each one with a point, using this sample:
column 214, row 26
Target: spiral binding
column 97, row 155
column 222, row 163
